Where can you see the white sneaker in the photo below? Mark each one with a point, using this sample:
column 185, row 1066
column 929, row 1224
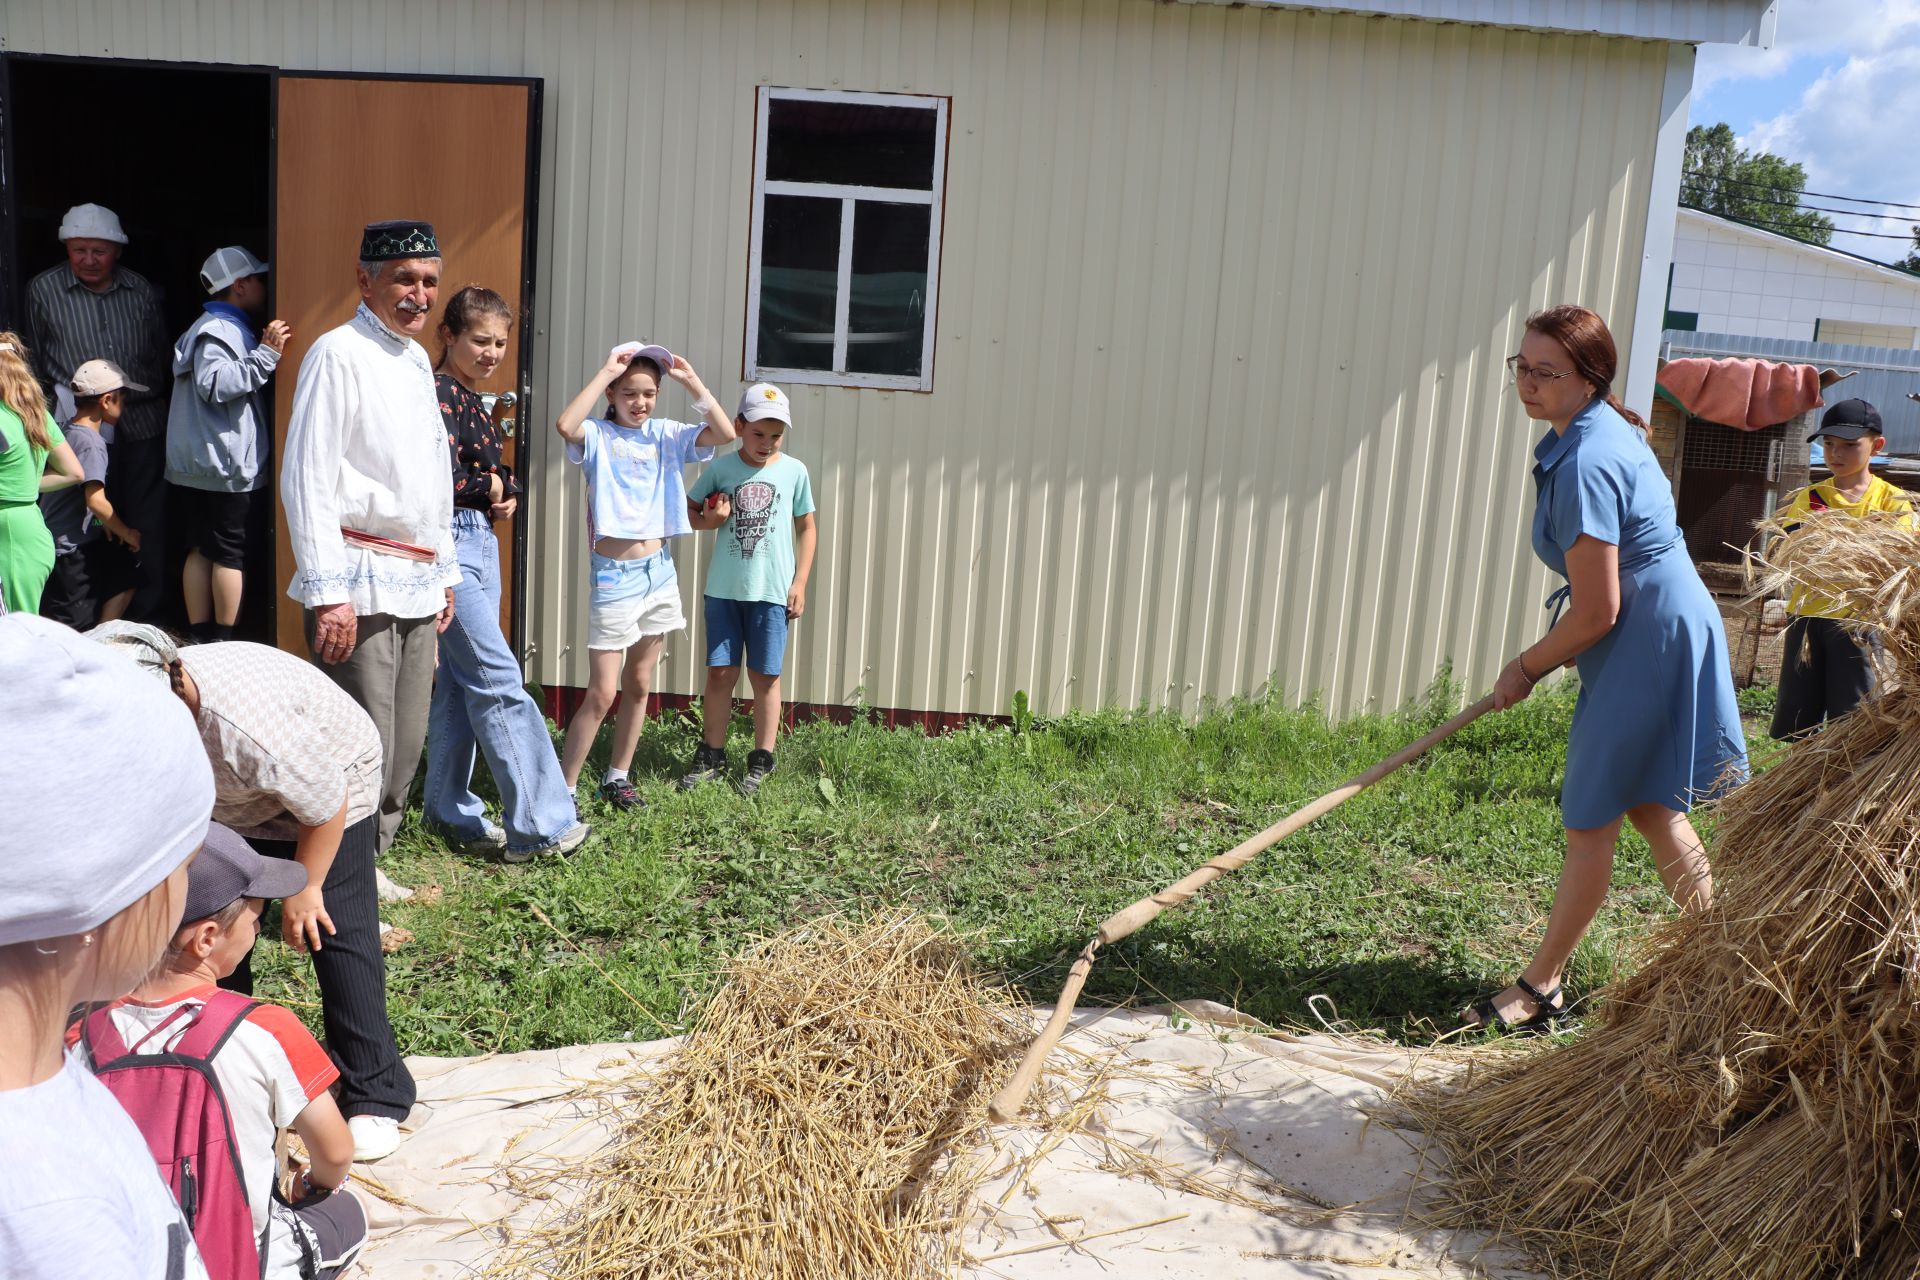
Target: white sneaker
column 374, row 1137
column 387, row 890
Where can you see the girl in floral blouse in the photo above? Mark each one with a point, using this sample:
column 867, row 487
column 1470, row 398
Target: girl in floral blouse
column 478, row 698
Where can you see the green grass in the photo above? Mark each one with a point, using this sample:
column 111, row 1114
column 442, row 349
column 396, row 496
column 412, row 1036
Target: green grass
column 1413, row 897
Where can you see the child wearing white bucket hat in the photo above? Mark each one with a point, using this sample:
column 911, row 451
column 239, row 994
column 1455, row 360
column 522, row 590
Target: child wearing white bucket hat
column 89, row 896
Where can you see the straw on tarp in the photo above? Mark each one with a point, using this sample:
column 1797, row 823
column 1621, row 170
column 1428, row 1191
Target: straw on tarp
column 823, row 1119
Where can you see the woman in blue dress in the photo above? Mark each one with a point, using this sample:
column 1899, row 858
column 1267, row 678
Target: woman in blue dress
column 1656, row 727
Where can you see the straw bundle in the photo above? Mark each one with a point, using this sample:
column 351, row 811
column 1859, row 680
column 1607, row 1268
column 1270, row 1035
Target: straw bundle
column 1747, row 1103
column 818, row 1122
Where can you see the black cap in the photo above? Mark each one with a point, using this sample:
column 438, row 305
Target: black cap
column 228, row 869
column 404, row 238
column 1849, row 420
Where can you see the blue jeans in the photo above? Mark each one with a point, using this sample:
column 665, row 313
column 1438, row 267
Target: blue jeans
column 478, row 699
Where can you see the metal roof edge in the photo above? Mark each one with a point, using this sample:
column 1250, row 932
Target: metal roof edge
column 1775, row 237
column 1734, row 22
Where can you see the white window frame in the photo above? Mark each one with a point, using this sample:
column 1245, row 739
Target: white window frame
column 849, row 196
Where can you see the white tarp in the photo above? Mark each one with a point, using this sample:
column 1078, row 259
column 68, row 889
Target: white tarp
column 1316, row 1188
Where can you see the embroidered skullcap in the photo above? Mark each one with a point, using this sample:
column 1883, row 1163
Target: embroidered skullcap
column 403, row 238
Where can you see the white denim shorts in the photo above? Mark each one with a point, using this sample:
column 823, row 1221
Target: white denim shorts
column 632, row 599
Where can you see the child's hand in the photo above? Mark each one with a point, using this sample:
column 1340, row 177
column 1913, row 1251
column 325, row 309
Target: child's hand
column 125, row 533
column 796, row 600
column 276, row 334
column 302, row 917
column 719, row 506
column 617, row 362
column 683, row 373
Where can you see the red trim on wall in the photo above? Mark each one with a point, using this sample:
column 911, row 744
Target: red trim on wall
column 561, row 702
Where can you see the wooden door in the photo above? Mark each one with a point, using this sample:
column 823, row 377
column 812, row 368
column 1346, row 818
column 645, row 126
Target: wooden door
column 455, row 153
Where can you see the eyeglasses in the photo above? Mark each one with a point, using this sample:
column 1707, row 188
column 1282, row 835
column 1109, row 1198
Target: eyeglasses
column 1516, row 371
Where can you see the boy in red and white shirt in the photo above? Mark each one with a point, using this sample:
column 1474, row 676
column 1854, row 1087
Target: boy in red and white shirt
column 271, row 1071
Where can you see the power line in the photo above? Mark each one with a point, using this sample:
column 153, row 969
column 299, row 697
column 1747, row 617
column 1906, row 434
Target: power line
column 1818, row 195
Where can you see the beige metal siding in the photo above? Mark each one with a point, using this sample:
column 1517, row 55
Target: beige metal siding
column 1224, row 296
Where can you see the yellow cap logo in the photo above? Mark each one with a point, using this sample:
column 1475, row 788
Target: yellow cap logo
column 771, row 394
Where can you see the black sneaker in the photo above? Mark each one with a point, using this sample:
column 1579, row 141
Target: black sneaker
column 620, row 794
column 708, row 763
column 759, row 765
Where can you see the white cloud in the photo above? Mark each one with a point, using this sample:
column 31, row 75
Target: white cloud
column 1809, row 29
column 1852, row 127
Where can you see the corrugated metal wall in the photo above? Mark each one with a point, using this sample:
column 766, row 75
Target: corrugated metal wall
column 1883, row 377
column 1224, row 296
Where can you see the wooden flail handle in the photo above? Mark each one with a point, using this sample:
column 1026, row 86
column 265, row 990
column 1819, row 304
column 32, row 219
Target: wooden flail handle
column 1007, row 1102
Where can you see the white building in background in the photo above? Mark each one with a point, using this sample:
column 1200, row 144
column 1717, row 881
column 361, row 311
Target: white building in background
column 1732, row 278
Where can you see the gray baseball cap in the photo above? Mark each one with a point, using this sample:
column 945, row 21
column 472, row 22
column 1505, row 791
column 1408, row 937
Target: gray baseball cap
column 229, row 869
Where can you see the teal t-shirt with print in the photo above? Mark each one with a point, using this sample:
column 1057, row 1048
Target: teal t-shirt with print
column 753, row 552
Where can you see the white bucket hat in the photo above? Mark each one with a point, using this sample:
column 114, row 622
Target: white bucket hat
column 91, row 222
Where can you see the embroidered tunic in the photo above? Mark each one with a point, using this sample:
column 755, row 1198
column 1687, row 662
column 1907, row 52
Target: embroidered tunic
column 367, row 449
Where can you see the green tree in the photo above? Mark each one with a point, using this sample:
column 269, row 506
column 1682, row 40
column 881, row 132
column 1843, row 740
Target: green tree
column 1912, row 261
column 1750, row 186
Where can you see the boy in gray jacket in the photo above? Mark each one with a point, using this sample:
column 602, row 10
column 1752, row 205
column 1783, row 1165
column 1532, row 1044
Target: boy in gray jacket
column 218, row 433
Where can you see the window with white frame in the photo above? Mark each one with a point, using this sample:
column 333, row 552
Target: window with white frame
column 845, row 256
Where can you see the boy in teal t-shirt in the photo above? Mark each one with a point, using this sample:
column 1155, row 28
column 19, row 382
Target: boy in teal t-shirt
column 761, row 501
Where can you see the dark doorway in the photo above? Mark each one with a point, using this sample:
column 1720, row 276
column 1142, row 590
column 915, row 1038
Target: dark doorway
column 184, row 155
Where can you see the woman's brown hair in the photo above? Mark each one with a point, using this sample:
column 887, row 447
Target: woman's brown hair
column 20, row 390
column 1588, row 340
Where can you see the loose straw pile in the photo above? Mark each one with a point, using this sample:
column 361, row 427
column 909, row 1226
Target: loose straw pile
column 1748, row 1102
column 820, row 1122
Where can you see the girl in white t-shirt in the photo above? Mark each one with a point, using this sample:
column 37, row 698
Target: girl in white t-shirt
column 636, row 501
column 89, row 895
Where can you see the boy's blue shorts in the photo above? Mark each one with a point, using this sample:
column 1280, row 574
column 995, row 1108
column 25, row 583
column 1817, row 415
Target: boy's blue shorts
column 748, row 633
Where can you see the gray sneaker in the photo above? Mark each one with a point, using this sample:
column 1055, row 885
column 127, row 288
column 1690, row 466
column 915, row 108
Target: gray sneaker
column 492, row 841
column 759, row 766
column 565, row 845
column 708, row 763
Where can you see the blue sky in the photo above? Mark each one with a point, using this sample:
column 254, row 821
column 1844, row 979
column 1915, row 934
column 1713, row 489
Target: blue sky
column 1840, row 93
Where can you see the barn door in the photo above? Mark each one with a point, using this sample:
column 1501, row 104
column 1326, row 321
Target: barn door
column 456, row 153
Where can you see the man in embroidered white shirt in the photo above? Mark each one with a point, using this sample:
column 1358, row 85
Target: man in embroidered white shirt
column 369, row 512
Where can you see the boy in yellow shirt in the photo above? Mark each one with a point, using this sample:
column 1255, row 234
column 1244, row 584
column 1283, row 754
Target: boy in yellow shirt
column 1825, row 671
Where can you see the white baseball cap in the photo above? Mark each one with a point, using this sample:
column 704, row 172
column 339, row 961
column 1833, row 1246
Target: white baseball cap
column 91, row 222
column 224, row 266
column 646, row 351
column 97, row 377
column 764, row 400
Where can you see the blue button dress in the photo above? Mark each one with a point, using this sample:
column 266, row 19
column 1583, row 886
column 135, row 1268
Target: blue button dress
column 1656, row 721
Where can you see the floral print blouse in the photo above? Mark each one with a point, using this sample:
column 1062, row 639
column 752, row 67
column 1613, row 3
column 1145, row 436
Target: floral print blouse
column 475, row 444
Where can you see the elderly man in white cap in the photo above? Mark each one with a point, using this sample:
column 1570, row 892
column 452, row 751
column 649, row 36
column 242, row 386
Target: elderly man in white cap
column 369, row 509
column 92, row 308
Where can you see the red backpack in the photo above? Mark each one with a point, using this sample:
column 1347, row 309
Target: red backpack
column 175, row 1101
